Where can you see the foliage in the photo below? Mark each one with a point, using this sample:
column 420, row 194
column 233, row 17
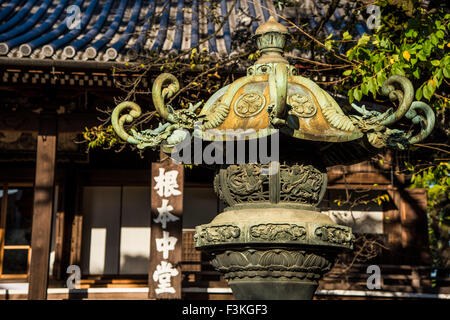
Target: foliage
column 379, row 199
column 101, row 136
column 415, row 47
column 436, row 180
column 411, row 41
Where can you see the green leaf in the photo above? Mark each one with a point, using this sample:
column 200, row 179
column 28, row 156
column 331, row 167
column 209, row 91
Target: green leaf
column 347, row 72
column 435, row 62
column 419, row 94
column 409, row 166
column 439, row 77
column 421, row 55
column 431, row 84
column 397, row 70
column 409, row 33
column 372, row 86
column 346, row 36
column 363, row 40
column 351, row 98
column 427, row 47
column 357, row 94
column 381, row 78
column 434, row 39
column 416, row 73
column 447, row 72
column 364, row 88
column 427, row 93
column 378, row 66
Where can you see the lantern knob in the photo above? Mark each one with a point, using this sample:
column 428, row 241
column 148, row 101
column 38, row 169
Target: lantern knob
column 271, row 39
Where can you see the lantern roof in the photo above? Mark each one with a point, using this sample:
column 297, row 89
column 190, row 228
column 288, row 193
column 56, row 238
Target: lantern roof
column 271, row 98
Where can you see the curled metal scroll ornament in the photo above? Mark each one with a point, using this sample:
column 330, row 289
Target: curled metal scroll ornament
column 174, row 121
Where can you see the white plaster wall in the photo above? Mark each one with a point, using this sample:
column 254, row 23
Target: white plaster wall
column 359, row 221
column 135, row 230
column 101, row 230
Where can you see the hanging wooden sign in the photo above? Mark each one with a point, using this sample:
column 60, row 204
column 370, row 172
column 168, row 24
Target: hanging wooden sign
column 166, row 230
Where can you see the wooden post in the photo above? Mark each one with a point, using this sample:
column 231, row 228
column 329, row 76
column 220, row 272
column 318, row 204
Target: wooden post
column 77, row 232
column 392, row 227
column 42, row 208
column 414, row 236
column 59, row 238
column 70, row 221
column 77, row 225
column 167, row 183
column 59, row 232
column 3, row 224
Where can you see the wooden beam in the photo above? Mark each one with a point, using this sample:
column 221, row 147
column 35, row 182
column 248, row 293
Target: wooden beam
column 368, row 178
column 42, row 208
column 3, row 212
column 29, row 121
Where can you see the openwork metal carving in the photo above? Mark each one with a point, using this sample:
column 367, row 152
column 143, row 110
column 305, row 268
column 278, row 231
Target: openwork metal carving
column 239, row 184
column 297, row 184
column 300, row 183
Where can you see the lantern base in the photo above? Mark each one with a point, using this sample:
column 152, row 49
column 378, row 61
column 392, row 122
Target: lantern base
column 270, row 289
column 273, row 252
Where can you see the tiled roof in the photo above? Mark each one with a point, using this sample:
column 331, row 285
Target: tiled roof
column 111, row 30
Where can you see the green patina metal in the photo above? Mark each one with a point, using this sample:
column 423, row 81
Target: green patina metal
column 280, row 99
column 271, row 241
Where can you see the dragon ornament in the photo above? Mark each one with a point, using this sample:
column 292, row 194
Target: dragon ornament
column 170, row 130
column 375, row 124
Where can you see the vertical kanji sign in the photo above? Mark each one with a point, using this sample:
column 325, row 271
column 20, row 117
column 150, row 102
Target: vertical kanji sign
column 166, row 230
